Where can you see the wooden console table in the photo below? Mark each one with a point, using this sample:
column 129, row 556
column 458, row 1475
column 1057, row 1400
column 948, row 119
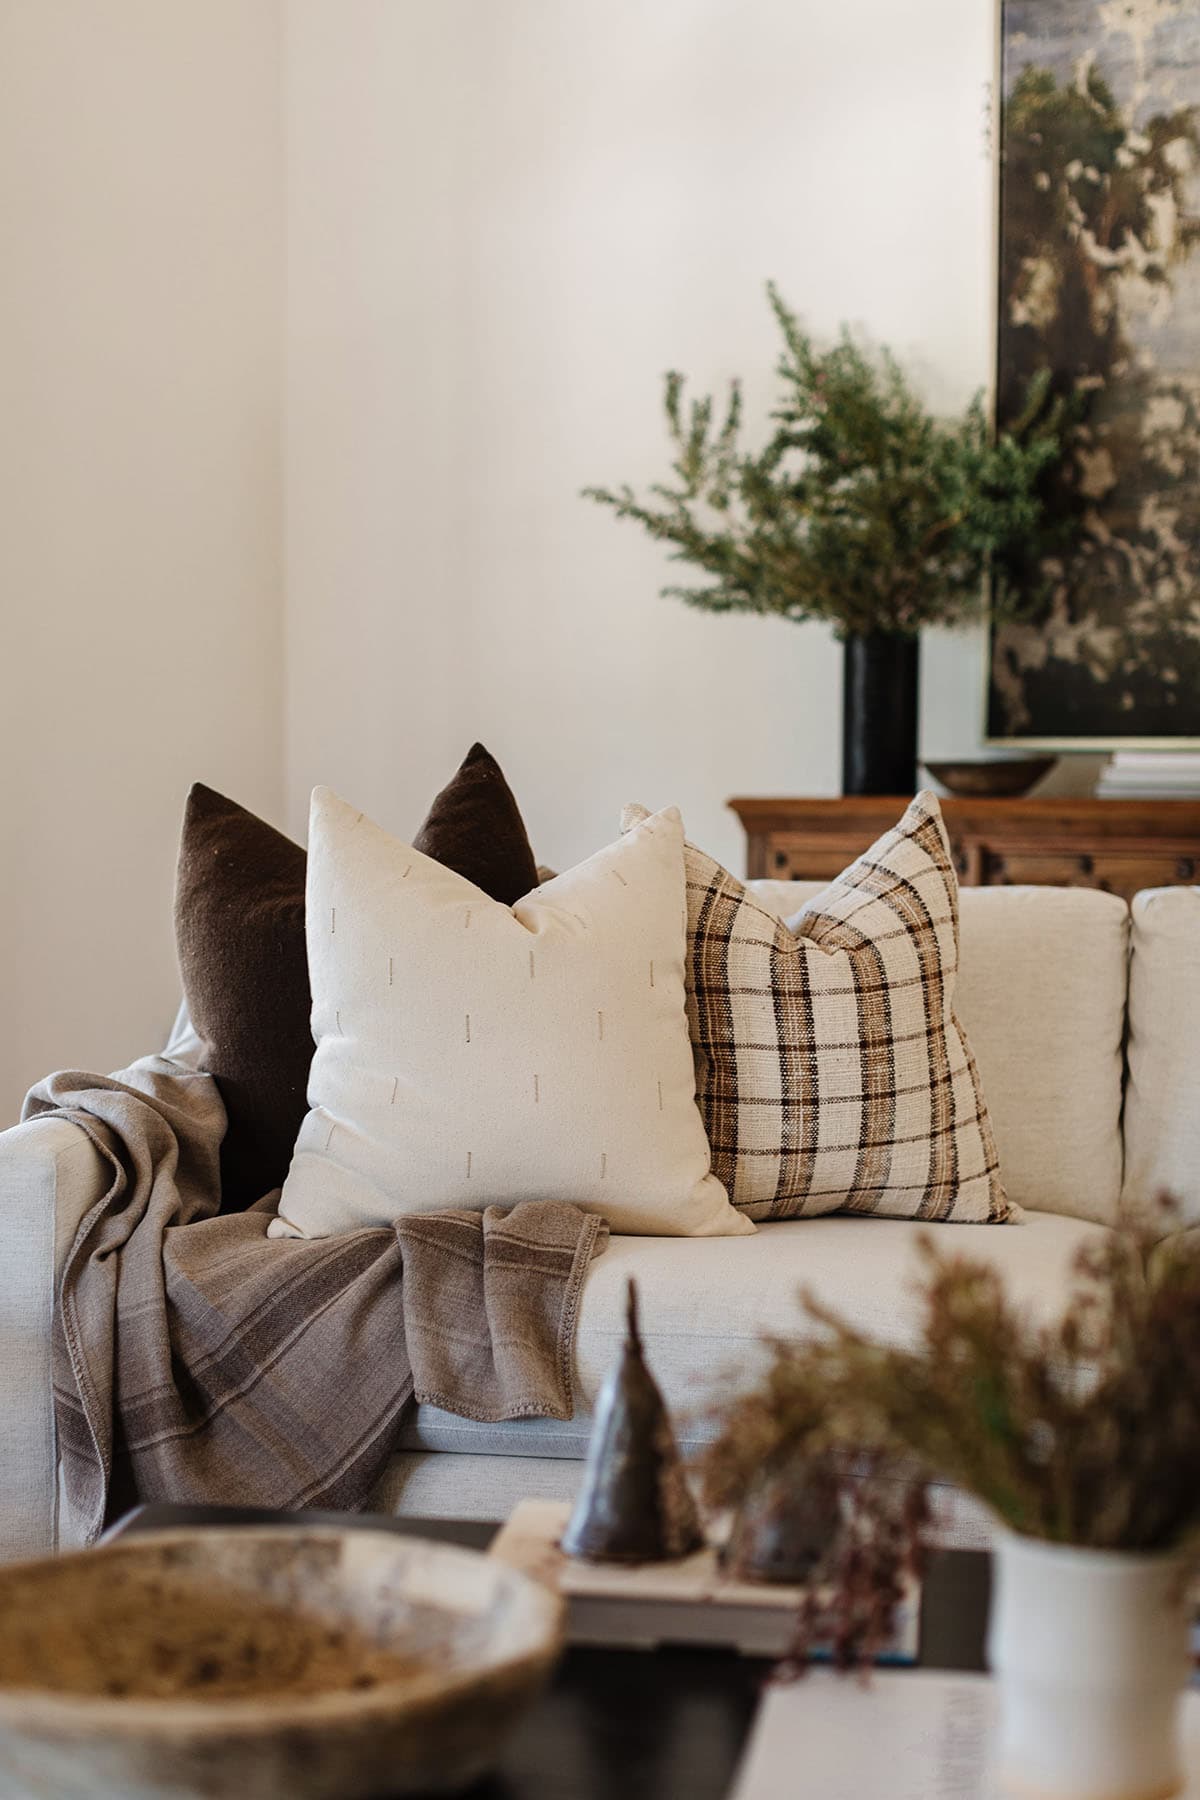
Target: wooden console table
column 1117, row 845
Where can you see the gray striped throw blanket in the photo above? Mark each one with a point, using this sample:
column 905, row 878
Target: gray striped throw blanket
column 197, row 1360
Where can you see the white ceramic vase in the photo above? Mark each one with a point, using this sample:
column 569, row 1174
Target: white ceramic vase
column 1090, row 1648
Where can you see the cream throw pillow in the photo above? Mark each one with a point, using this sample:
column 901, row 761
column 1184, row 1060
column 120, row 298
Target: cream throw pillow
column 831, row 1070
column 469, row 1053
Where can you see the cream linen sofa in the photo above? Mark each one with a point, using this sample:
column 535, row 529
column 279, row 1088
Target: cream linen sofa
column 1085, row 1019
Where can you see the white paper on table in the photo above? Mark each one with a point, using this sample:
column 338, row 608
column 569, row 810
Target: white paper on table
column 915, row 1736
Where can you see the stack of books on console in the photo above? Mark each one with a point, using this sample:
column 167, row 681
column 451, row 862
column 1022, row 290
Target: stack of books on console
column 1151, row 775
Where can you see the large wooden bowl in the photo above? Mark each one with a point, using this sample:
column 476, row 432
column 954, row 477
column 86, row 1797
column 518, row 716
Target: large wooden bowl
column 259, row 1663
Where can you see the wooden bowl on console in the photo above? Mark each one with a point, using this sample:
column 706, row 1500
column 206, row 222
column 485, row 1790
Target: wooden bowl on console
column 1003, row 778
column 321, row 1664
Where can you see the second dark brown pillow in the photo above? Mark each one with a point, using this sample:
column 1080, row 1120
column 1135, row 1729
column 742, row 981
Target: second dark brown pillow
column 239, row 930
column 475, row 828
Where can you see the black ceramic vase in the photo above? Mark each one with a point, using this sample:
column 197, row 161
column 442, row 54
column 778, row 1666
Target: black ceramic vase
column 879, row 716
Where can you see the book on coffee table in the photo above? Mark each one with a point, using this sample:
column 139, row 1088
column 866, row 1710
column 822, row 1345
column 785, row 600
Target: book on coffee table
column 908, row 1736
column 692, row 1601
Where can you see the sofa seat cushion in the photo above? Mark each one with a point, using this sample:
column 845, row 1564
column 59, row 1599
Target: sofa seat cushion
column 706, row 1303
column 1042, row 982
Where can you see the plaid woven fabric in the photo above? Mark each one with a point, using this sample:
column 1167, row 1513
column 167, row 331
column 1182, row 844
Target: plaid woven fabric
column 831, row 1071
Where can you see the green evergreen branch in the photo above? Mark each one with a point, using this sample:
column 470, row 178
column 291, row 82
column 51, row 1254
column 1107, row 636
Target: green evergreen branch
column 860, row 508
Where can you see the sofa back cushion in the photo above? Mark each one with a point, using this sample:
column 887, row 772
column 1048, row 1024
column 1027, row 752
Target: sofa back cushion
column 1162, row 1095
column 1041, row 994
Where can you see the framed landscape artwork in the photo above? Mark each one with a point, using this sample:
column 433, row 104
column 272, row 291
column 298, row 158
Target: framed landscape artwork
column 1099, row 281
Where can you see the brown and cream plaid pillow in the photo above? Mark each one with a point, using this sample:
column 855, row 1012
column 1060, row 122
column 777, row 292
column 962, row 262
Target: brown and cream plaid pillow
column 831, row 1071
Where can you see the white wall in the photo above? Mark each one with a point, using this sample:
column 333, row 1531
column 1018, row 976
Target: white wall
column 506, row 218
column 480, row 230
column 140, row 596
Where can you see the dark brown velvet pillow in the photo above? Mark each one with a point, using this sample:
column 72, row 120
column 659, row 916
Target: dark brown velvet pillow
column 239, row 931
column 475, row 828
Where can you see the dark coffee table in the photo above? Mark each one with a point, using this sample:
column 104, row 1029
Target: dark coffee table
column 666, row 1724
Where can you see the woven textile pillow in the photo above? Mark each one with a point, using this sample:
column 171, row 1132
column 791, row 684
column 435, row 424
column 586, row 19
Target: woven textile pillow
column 471, row 1053
column 831, row 1071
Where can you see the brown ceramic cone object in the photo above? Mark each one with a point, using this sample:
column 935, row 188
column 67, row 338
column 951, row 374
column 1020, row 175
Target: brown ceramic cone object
column 782, row 1530
column 635, row 1505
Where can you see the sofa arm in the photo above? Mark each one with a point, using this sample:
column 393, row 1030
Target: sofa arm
column 51, row 1174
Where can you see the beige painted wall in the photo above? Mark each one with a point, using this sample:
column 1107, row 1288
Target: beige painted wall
column 140, row 597
column 478, row 231
column 506, row 218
